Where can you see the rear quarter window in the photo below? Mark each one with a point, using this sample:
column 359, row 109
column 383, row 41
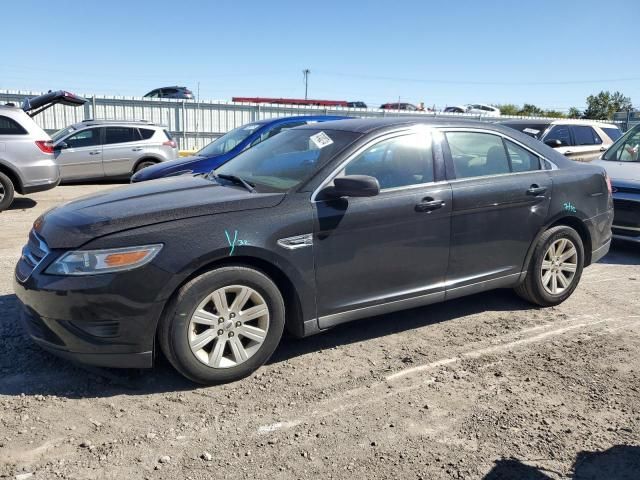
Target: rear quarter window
column 146, row 133
column 9, row 126
column 613, row 133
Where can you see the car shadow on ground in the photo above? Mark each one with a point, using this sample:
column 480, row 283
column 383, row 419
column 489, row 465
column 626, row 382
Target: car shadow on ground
column 25, row 368
column 622, row 253
column 620, row 462
column 22, row 203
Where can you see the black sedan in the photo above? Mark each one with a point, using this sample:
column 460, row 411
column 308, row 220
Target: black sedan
column 317, row 226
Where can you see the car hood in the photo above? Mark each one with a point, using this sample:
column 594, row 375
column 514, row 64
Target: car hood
column 77, row 222
column 622, row 171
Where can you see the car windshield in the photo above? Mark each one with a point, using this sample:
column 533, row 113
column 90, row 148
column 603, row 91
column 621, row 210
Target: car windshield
column 62, row 133
column 229, row 140
column 533, row 129
column 626, row 148
column 286, row 160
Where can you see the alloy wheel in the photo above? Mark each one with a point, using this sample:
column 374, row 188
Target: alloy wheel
column 559, row 266
column 2, row 192
column 229, row 326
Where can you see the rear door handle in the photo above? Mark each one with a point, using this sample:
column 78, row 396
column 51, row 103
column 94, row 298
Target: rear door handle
column 95, row 152
column 429, row 205
column 536, row 190
column 568, row 152
column 137, row 149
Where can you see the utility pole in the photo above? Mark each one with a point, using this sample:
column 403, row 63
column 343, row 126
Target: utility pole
column 306, row 73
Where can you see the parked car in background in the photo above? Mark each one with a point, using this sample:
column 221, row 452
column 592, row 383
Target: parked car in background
column 356, row 105
column 171, row 92
column 316, row 226
column 476, row 108
column 222, row 149
column 399, row 106
column 622, row 163
column 579, row 140
column 107, row 148
column 27, row 164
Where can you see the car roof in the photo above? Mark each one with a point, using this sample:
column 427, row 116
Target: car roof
column 560, row 121
column 366, row 125
column 300, row 118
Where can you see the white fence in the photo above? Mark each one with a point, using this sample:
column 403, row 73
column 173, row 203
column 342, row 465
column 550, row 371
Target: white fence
column 192, row 123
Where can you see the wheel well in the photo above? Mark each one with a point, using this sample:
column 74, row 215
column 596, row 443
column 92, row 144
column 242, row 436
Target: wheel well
column 293, row 308
column 13, row 176
column 582, row 230
column 145, row 159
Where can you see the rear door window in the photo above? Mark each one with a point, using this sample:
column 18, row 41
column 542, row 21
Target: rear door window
column 120, row 135
column 613, row 133
column 560, row 132
column 522, row 160
column 8, row 126
column 585, row 135
column 477, row 154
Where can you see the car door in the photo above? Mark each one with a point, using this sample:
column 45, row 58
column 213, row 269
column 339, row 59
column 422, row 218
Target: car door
column 587, row 144
column 562, row 134
column 388, row 251
column 501, row 196
column 123, row 147
column 79, row 155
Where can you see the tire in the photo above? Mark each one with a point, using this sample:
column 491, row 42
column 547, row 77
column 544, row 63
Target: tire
column 144, row 164
column 537, row 287
column 7, row 192
column 219, row 359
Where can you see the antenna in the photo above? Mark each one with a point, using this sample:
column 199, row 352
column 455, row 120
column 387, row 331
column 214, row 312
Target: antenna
column 306, row 73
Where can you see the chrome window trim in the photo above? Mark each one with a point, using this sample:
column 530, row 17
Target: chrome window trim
column 411, row 130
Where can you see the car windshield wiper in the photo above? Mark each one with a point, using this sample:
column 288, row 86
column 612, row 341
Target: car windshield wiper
column 234, row 179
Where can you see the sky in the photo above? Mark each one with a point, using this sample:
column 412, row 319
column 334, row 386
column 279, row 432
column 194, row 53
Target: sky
column 549, row 53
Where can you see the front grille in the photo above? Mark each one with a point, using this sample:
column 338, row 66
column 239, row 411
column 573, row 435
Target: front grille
column 626, row 213
column 33, row 253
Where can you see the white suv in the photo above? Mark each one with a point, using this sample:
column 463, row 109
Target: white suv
column 106, row 148
column 27, row 163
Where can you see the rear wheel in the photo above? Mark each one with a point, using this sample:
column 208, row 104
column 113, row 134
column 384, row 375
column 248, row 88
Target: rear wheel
column 223, row 325
column 555, row 268
column 7, row 191
column 144, row 164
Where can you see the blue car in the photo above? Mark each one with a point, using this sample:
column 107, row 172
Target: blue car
column 223, row 149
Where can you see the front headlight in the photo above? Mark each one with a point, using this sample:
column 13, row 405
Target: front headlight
column 94, row 262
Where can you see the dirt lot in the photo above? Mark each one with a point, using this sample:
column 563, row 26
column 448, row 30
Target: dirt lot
column 483, row 387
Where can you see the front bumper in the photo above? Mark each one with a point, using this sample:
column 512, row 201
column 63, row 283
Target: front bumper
column 89, row 320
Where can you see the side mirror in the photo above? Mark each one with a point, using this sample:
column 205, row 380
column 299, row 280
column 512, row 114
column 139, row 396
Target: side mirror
column 553, row 143
column 61, row 146
column 353, row 186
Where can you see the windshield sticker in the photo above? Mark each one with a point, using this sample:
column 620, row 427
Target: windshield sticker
column 321, row 140
column 532, row 131
column 235, row 241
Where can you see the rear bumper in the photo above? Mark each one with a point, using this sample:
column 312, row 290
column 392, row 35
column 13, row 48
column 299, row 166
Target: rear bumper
column 28, row 189
column 600, row 252
column 39, row 175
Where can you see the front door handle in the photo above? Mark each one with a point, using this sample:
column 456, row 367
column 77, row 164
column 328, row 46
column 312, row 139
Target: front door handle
column 429, row 205
column 568, row 152
column 95, row 152
column 536, row 190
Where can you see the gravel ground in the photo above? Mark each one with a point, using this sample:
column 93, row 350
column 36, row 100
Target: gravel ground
column 481, row 387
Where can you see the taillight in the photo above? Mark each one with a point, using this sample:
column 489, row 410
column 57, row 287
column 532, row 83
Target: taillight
column 45, row 145
column 608, row 180
column 170, row 143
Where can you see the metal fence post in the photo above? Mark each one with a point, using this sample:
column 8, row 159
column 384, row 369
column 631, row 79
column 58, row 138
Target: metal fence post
column 184, row 126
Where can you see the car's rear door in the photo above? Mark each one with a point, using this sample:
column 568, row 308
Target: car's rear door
column 587, row 144
column 387, row 251
column 123, row 147
column 79, row 155
column 501, row 196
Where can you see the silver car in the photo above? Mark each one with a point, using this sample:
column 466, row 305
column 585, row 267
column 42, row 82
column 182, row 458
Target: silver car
column 27, row 163
column 96, row 149
column 622, row 163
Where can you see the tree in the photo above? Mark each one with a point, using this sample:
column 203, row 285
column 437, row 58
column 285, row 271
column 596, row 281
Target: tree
column 574, row 113
column 603, row 105
column 530, row 110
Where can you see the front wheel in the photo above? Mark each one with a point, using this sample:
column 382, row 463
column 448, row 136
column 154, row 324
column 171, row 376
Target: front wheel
column 6, row 192
column 223, row 325
column 555, row 268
